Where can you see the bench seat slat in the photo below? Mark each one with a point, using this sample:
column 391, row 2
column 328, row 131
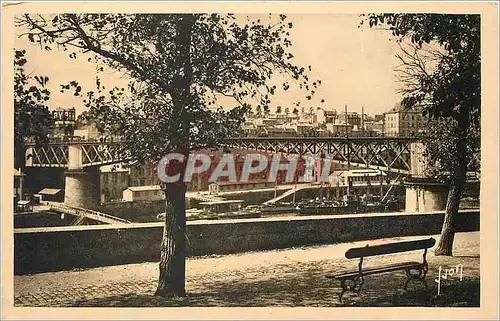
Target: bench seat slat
column 389, row 248
column 376, row 270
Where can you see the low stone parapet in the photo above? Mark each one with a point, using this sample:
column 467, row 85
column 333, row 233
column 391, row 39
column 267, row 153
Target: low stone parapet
column 65, row 248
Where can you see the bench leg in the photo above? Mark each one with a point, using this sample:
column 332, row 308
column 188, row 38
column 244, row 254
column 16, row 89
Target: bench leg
column 422, row 272
column 355, row 287
column 408, row 279
column 344, row 289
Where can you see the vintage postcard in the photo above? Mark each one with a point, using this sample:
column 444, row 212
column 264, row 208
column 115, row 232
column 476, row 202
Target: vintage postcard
column 239, row 160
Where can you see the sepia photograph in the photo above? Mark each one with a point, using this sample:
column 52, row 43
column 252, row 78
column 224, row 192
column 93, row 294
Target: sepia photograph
column 182, row 156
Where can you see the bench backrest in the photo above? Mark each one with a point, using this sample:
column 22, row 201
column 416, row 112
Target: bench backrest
column 395, row 247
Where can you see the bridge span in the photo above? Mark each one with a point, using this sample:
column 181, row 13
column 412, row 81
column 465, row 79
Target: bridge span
column 81, row 159
column 392, row 154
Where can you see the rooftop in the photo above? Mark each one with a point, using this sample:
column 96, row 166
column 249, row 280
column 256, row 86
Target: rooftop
column 49, row 191
column 242, row 183
column 144, row 188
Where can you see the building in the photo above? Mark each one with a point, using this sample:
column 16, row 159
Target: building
column 24, row 206
column 375, row 127
column 249, row 129
column 87, row 128
column 64, row 116
column 379, row 117
column 50, row 194
column 277, row 132
column 310, row 117
column 219, row 187
column 239, row 160
column 351, row 118
column 18, row 186
column 114, row 179
column 362, row 177
column 87, row 132
column 304, row 129
column 64, row 122
column 143, row 193
column 326, row 116
column 401, row 122
column 330, row 116
column 339, row 129
column 143, row 174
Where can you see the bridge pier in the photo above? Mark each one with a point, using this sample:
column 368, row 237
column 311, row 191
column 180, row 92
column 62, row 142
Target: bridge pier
column 82, row 188
column 82, row 184
column 423, row 193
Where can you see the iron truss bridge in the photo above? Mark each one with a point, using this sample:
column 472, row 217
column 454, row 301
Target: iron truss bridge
column 75, row 154
column 385, row 153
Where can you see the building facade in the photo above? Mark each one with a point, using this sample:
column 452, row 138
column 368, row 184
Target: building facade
column 64, row 123
column 143, row 193
column 403, row 122
column 114, row 179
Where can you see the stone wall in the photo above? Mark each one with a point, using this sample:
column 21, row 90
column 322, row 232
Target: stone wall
column 63, row 248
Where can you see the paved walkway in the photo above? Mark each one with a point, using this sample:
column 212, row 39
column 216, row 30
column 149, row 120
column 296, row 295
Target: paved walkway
column 290, row 277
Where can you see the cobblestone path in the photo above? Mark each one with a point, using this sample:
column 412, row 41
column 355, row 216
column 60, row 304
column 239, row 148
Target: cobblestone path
column 289, row 277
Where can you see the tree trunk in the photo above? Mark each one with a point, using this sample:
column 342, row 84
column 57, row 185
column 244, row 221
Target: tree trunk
column 171, row 282
column 457, row 183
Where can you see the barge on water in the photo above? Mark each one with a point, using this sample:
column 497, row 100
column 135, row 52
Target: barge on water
column 350, row 205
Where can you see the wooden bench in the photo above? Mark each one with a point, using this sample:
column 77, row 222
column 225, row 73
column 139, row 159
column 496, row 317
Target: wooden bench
column 414, row 270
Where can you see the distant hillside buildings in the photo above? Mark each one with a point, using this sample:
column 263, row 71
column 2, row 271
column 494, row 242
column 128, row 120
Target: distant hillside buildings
column 322, row 122
column 401, row 122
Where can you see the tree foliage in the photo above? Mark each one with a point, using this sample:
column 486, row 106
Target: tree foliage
column 199, row 61
column 181, row 68
column 450, row 93
column 440, row 139
column 441, row 71
column 454, row 86
column 32, row 119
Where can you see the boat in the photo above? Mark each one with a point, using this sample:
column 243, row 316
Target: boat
column 349, row 205
column 238, row 215
column 324, row 207
column 278, row 208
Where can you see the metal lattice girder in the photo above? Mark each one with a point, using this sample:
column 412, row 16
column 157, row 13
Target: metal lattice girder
column 385, row 153
column 57, row 154
column 48, row 156
column 101, row 154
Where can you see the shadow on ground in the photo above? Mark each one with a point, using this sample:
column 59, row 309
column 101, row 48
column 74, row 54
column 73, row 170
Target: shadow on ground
column 309, row 288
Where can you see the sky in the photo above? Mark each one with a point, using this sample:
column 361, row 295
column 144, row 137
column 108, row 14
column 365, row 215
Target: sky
column 355, row 64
